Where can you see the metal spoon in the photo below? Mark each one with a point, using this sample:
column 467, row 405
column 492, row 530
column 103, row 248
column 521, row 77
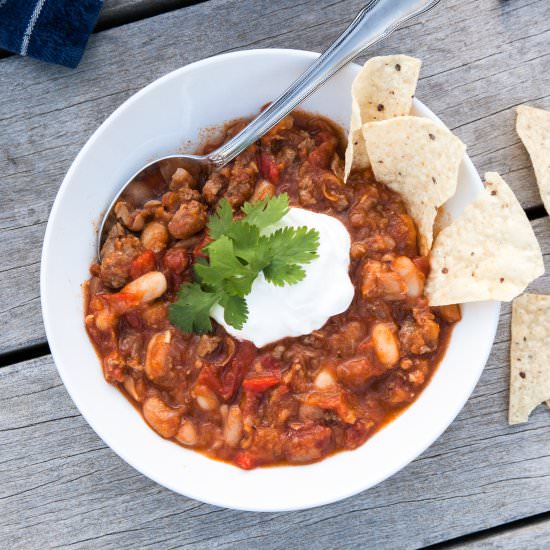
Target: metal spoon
column 374, row 22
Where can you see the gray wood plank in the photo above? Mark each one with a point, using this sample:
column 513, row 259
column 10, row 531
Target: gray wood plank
column 531, row 536
column 60, row 486
column 481, row 58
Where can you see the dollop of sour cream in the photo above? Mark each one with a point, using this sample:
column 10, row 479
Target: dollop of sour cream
column 294, row 310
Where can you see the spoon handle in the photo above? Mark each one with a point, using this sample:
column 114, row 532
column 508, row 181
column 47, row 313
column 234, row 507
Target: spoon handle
column 374, row 22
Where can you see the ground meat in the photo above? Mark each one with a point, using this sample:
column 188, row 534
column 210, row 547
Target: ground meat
column 376, row 243
column 359, row 214
column 207, row 344
column 403, row 231
column 176, row 259
column 307, row 444
column 181, row 178
column 307, row 191
column 421, row 334
column 189, row 219
column 213, row 187
column 396, row 390
column 117, row 259
column 347, row 338
column 357, row 373
column 379, row 281
column 244, row 174
column 174, row 199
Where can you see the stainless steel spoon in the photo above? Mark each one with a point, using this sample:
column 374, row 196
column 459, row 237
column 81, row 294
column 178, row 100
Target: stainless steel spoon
column 374, row 22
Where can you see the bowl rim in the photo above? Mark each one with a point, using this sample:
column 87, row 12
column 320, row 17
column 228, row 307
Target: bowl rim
column 406, row 458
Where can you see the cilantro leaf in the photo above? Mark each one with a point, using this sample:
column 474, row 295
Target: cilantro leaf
column 262, row 254
column 235, row 310
column 266, row 212
column 239, row 286
column 220, row 222
column 245, row 239
column 294, row 245
column 191, row 311
column 223, row 263
column 279, row 273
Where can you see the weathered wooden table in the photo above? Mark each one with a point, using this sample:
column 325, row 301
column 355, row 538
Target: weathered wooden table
column 482, row 484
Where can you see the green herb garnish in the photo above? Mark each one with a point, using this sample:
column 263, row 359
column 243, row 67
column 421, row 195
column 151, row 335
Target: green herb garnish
column 239, row 251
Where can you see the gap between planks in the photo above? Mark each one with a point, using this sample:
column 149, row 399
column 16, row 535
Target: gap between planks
column 24, row 354
column 116, row 13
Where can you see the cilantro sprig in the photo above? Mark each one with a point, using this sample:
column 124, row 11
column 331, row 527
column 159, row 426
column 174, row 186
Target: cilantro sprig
column 240, row 249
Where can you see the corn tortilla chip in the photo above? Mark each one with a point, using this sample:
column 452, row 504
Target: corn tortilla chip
column 533, row 127
column 489, row 253
column 383, row 89
column 419, row 159
column 529, row 356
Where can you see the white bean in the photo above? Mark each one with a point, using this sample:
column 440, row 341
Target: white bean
column 206, row 399
column 132, row 220
column 187, row 434
column 386, row 344
column 411, row 275
column 154, row 236
column 233, row 426
column 263, row 189
column 105, row 319
column 162, row 418
column 325, row 379
column 130, row 387
column 157, row 358
column 148, row 287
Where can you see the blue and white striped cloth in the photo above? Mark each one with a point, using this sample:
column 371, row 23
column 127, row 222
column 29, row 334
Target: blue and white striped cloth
column 51, row 30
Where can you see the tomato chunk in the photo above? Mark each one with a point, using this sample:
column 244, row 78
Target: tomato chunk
column 226, row 382
column 271, row 376
column 322, row 155
column 261, row 383
column 268, row 167
column 198, row 250
column 142, row 264
column 119, row 302
column 245, row 460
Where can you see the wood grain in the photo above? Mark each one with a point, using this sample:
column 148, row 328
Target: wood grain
column 60, row 486
column 481, row 58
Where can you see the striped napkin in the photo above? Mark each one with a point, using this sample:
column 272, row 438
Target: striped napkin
column 55, row 31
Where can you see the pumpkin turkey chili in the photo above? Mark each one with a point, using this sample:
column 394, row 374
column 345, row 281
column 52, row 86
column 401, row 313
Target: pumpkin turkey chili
column 295, row 400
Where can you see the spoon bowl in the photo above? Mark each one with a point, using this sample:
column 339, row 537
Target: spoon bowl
column 146, row 184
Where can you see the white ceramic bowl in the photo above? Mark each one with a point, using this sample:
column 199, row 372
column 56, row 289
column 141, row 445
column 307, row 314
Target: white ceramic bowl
column 157, row 121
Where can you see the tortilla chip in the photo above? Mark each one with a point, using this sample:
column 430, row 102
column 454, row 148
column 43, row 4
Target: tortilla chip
column 533, row 127
column 384, row 88
column 529, row 356
column 488, row 253
column 419, row 159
